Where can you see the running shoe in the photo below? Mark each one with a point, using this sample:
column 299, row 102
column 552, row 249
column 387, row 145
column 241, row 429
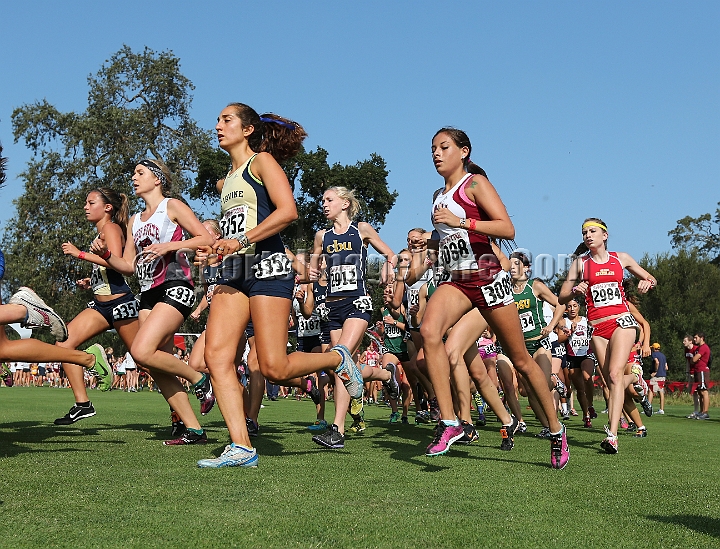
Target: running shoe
column 694, row 415
column 559, row 450
column 587, row 422
column 76, row 413
column 177, row 427
column 623, row 423
column 565, row 415
column 610, row 444
column 544, row 433
column 188, row 437
column 311, row 388
column 394, row 417
column 660, row 412
column 404, row 420
column 641, row 433
column 332, row 438
column 445, row 435
column 434, row 410
column 522, row 427
column 253, row 428
column 592, row 412
column 319, row 425
column 39, row 314
column 559, row 387
column 704, row 415
column 631, row 428
column 646, row 406
column 232, row 456
column 101, row 369
column 391, row 386
column 6, row 375
column 573, row 412
column 348, row 372
column 358, row 426
column 507, row 432
column 356, row 407
column 422, row 417
column 481, row 420
column 204, row 393
column 605, row 411
column 469, row 433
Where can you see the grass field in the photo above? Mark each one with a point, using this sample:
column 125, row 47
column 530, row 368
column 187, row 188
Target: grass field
column 108, row 481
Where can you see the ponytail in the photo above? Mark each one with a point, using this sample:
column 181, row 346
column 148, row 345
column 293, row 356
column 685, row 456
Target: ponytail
column 120, row 205
column 279, row 136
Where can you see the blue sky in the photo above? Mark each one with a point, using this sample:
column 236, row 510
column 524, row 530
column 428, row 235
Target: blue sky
column 574, row 109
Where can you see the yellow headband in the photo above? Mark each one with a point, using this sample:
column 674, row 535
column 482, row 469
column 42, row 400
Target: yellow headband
column 594, row 224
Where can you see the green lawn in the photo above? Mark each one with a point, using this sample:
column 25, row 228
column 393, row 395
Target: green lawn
column 108, row 481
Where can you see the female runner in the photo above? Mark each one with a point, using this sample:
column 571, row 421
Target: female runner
column 256, row 278
column 466, row 212
column 113, row 304
column 154, row 250
column 598, row 274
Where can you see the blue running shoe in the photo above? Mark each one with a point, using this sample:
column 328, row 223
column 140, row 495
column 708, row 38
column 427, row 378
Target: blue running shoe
column 348, row 372
column 232, row 456
column 319, row 425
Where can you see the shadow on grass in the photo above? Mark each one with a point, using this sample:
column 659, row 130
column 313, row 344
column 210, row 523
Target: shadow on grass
column 698, row 523
column 15, row 435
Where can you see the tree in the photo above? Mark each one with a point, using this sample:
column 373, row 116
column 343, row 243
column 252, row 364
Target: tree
column 138, row 106
column 685, row 300
column 699, row 233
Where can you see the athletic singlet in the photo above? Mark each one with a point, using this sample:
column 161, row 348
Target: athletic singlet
column 412, row 293
column 105, row 281
column 306, row 327
column 486, row 348
column 244, row 204
column 320, row 295
column 532, row 320
column 159, row 229
column 394, row 338
column 605, row 295
column 578, row 344
column 346, row 257
column 461, row 250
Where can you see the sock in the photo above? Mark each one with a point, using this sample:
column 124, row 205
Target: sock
column 563, row 407
column 451, row 422
column 246, row 448
column 202, row 380
column 196, row 431
column 83, row 404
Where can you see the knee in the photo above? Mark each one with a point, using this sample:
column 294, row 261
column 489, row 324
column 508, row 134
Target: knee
column 616, row 378
column 273, row 367
column 142, row 354
column 431, row 335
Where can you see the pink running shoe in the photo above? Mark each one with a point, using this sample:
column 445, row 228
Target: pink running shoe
column 445, row 435
column 559, row 451
column 592, row 412
column 610, row 444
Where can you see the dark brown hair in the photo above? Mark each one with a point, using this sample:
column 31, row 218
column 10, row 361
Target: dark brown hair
column 461, row 139
column 120, row 205
column 279, row 136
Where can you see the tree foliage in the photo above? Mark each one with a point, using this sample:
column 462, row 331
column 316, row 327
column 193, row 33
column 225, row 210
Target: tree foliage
column 686, row 300
column 138, row 106
column 699, row 233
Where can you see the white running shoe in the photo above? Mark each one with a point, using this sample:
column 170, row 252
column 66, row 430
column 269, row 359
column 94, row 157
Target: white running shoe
column 40, row 315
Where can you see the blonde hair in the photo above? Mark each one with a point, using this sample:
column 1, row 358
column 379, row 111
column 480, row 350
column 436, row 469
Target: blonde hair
column 214, row 226
column 346, row 194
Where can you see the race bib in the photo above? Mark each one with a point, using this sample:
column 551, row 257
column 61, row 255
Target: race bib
column 441, row 275
column 363, row 304
column 209, row 293
column 392, row 331
column 343, row 278
column 308, row 327
column 527, row 322
column 499, row 291
column 413, row 296
column 627, row 321
column 181, row 294
column 456, row 252
column 125, row 311
column 96, row 280
column 322, row 311
column 232, row 223
column 144, row 269
column 273, row 266
column 605, row 294
column 546, row 343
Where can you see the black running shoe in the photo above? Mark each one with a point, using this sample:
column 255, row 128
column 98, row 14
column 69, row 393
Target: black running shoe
column 331, row 438
column 76, row 413
column 404, row 419
column 507, row 432
column 544, row 433
column 177, row 426
column 311, row 388
column 470, row 434
column 646, row 406
column 391, row 386
column 434, row 410
column 252, row 427
column 422, row 417
column 188, row 437
column 641, row 433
